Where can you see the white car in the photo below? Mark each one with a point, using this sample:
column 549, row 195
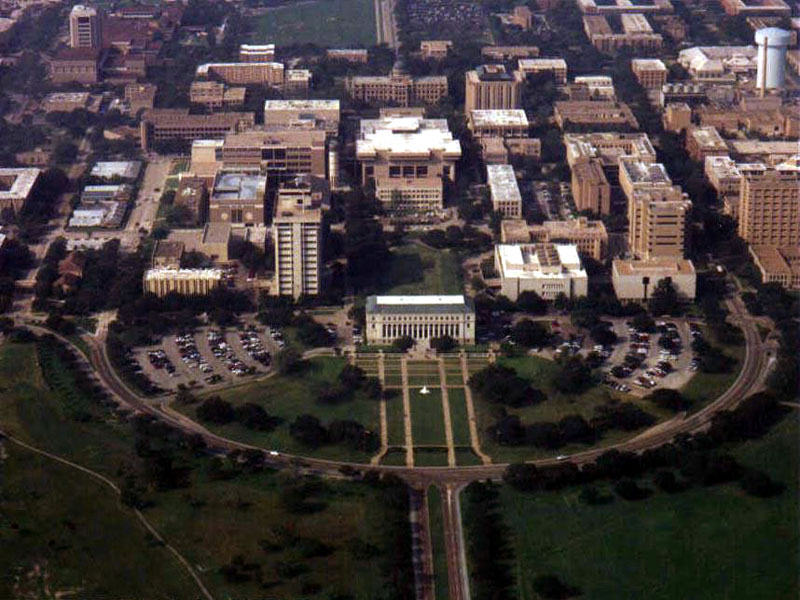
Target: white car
column 273, row 453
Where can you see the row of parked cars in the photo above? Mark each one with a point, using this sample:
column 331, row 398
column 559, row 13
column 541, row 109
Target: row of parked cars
column 160, row 360
column 254, row 346
column 221, row 350
column 638, row 351
column 190, row 355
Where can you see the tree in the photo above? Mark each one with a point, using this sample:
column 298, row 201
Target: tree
column 573, row 376
column 501, row 385
column 444, row 343
column 643, row 322
column 404, row 343
column 530, row 334
column 308, row 430
column 253, row 416
column 216, row 410
column 552, row 588
column 352, row 377
column 531, row 302
column 669, row 399
column 288, row 361
column 664, row 299
column 603, row 334
column 628, row 489
column 759, row 484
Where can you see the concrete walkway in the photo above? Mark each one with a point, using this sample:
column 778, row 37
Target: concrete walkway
column 407, row 413
column 384, row 424
column 448, row 424
column 473, row 422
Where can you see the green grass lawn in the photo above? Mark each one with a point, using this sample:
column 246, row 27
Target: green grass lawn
column 86, row 543
column 458, row 416
column 427, row 419
column 465, row 457
column 430, row 457
column 707, row 543
column 395, row 419
column 395, row 457
column 288, row 397
column 337, row 23
column 539, row 372
column 415, row 269
column 704, row 388
column 436, row 521
column 421, row 372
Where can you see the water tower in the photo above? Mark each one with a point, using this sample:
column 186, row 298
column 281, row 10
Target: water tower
column 772, row 43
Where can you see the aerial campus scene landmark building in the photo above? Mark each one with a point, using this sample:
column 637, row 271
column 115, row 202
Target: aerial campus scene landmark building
column 400, row 299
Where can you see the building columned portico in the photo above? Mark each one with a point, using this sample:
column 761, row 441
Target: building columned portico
column 419, row 317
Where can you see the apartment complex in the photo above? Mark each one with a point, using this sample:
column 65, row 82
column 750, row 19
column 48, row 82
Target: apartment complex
column 492, row 87
column 504, row 191
column 85, row 27
column 651, row 73
column 213, row 94
column 297, row 231
column 535, row 66
column 407, row 158
column 398, row 88
column 185, row 282
column 419, row 317
column 769, row 207
column 547, row 269
column 238, row 199
column 16, row 188
column 166, row 124
column 603, row 115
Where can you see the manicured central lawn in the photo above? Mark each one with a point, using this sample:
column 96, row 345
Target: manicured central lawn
column 395, row 419
column 539, row 372
column 458, row 416
column 427, row 419
column 337, row 23
column 436, row 521
column 288, row 397
column 415, row 269
column 706, row 543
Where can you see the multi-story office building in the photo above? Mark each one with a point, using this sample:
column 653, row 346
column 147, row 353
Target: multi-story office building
column 705, row 141
column 504, row 191
column 534, row 66
column 238, row 199
column 498, row 123
column 398, row 88
column 257, row 53
column 213, row 94
column 769, row 207
column 324, row 114
column 778, row 264
column 492, row 87
column 278, row 153
column 600, row 114
column 185, row 282
column 192, row 193
column 244, row 73
column 85, row 27
column 16, row 188
column 590, row 188
column 619, row 7
column 506, row 53
column 66, row 101
column 76, row 65
column 353, row 55
column 636, row 34
column 164, row 124
column 547, row 269
column 140, row 96
column 636, row 279
column 297, row 231
column 407, row 158
column 651, row 73
column 435, row 49
column 420, row 317
column 590, row 237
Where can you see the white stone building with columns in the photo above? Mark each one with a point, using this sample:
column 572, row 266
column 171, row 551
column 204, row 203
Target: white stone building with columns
column 419, row 317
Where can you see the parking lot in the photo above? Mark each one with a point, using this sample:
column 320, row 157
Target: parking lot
column 210, row 356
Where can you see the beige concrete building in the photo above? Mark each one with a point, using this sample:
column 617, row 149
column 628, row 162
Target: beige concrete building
column 677, row 117
column 212, row 94
column 243, row 73
column 353, row 55
column 278, row 153
column 257, row 53
column 547, row 269
column 618, row 7
column 498, row 123
column 407, row 158
column 705, row 141
column 213, row 240
column 65, row 101
column 192, row 193
column 636, row 33
column 534, row 66
column 636, row 279
column 778, row 264
column 16, row 188
column 507, row 53
column 184, row 282
column 76, row 65
column 419, row 317
column 397, row 88
column 590, row 237
column 297, row 231
column 167, row 254
column 492, row 87
column 163, row 124
column 238, row 199
column 590, row 188
column 435, row 49
column 318, row 114
column 85, row 27
column 769, row 210
column 504, row 191
column 601, row 114
column 657, row 223
column 651, row 73
column 140, row 96
column 777, row 8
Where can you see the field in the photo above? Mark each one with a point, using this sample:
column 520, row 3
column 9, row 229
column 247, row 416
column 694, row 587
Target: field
column 416, row 269
column 427, row 420
column 333, row 23
column 72, row 534
column 288, row 397
column 458, row 416
column 715, row 541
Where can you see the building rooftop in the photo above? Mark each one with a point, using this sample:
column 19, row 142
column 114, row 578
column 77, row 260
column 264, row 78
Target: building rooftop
column 555, row 261
column 490, row 118
column 183, row 273
column 17, row 183
column 125, row 169
column 493, row 73
column 608, row 147
column 203, row 70
column 648, row 64
column 67, row 97
column 419, row 304
column 648, row 173
column 168, row 250
column 309, row 105
column 778, row 259
column 541, row 63
column 406, row 135
column 708, row 138
column 503, row 183
column 239, row 187
column 216, row 233
column 655, row 267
